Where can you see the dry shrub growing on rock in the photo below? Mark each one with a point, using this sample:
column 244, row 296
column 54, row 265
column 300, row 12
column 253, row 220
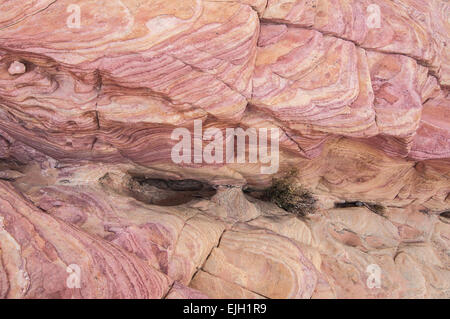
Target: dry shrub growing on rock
column 288, row 195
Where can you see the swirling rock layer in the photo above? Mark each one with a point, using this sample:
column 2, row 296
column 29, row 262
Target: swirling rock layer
column 91, row 91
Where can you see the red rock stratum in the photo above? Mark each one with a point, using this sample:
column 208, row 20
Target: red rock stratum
column 92, row 90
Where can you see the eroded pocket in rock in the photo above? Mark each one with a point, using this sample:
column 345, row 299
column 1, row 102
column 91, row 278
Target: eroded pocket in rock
column 157, row 191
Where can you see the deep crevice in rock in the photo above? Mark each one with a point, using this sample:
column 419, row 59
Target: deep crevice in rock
column 375, row 208
column 445, row 214
column 168, row 192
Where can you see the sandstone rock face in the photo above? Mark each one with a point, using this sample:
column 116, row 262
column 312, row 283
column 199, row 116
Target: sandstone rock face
column 92, row 204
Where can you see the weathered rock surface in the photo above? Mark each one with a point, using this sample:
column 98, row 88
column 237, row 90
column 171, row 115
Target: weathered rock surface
column 194, row 250
column 36, row 249
column 358, row 89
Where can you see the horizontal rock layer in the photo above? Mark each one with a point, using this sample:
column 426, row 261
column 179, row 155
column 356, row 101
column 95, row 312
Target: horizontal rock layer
column 202, row 249
column 91, row 91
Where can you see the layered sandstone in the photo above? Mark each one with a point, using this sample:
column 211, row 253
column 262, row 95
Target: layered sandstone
column 88, row 107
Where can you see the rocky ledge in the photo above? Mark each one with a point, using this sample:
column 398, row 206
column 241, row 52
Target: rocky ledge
column 93, row 205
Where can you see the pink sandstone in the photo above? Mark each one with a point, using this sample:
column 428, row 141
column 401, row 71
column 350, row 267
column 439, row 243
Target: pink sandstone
column 86, row 117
